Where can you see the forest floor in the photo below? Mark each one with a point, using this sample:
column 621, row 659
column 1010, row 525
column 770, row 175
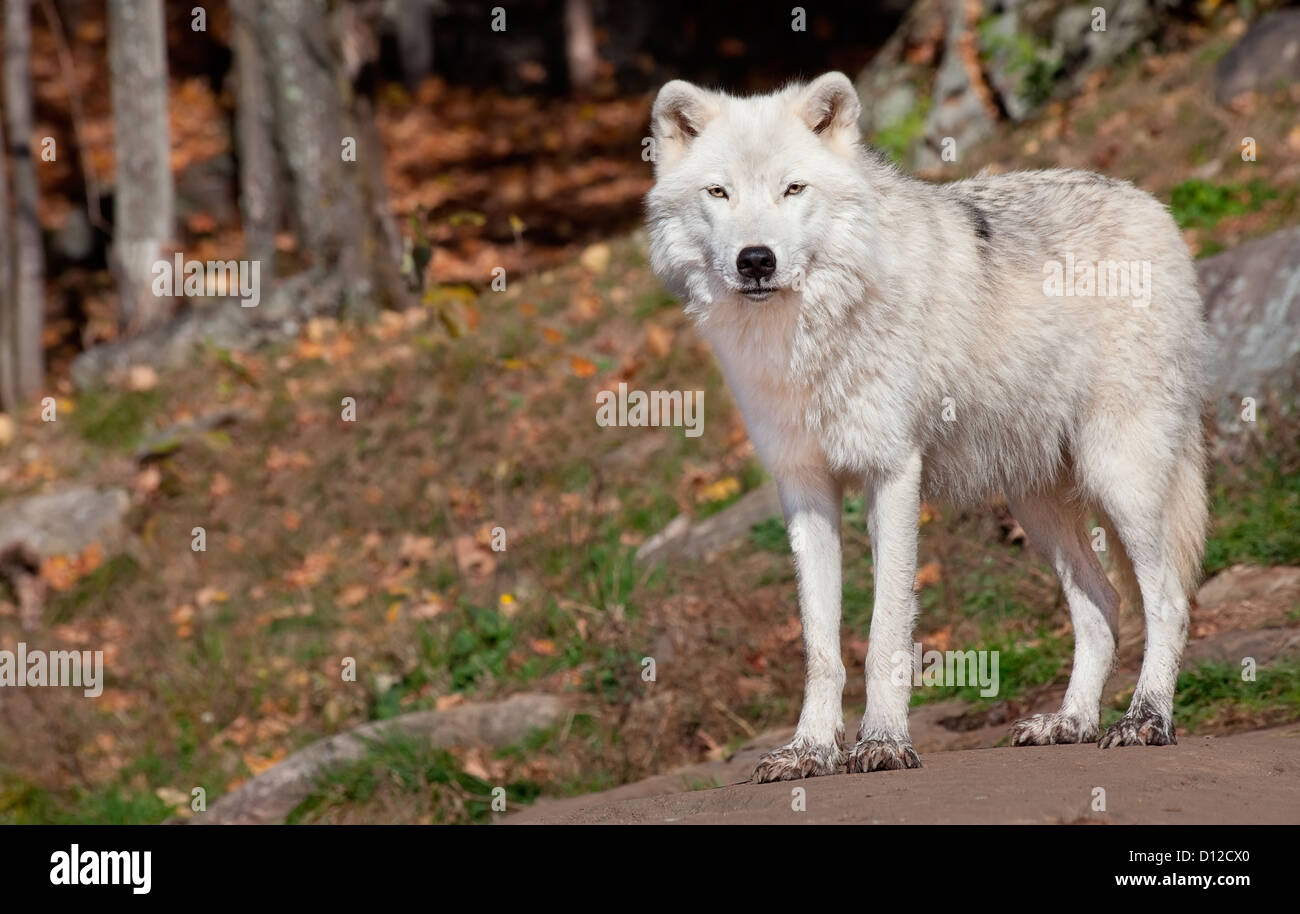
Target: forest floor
column 373, row 540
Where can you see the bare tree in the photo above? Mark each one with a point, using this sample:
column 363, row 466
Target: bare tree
column 580, row 44
column 27, row 273
column 8, row 309
column 144, row 198
column 412, row 25
column 259, row 199
column 325, row 136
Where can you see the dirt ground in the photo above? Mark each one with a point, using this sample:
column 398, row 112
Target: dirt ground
column 1247, row 778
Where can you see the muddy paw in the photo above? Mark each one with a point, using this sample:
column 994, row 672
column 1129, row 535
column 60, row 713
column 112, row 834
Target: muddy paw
column 1144, row 729
column 798, row 760
column 1051, row 729
column 882, row 755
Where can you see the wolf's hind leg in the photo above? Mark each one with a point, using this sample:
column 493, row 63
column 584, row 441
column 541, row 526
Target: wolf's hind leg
column 1054, row 523
column 1158, row 510
column 811, row 505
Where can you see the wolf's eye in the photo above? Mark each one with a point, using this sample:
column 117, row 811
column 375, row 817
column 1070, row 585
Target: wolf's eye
column 716, row 191
column 795, row 188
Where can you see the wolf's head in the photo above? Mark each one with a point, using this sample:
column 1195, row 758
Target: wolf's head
column 748, row 191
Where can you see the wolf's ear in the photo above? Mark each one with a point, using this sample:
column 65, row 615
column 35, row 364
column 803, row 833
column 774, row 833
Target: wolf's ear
column 830, row 108
column 680, row 112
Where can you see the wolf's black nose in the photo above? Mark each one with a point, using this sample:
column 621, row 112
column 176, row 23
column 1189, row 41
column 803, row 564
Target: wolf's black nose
column 756, row 263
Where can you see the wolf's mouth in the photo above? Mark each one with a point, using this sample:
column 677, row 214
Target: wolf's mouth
column 757, row 294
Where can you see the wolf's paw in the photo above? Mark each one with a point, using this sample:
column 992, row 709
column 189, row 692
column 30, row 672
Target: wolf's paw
column 1145, row 728
column 1051, row 729
column 798, row 760
column 882, row 755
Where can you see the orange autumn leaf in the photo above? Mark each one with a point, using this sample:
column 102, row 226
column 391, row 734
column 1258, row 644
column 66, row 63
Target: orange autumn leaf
column 259, row 763
column 583, row 368
column 928, row 575
column 220, row 486
column 659, row 340
column 59, row 572
column 353, row 595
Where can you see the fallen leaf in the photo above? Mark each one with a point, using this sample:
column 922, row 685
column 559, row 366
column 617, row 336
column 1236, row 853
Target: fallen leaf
column 417, row 550
column 927, row 575
column 444, row 702
column 473, row 558
column 220, row 486
column 723, row 489
column 353, row 595
column 659, row 340
column 595, row 258
column 141, row 378
column 259, row 763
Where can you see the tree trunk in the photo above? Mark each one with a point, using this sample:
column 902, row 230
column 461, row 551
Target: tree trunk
column 8, row 304
column 580, row 44
column 325, row 136
column 413, row 23
column 144, row 206
column 308, row 117
column 258, row 168
column 28, row 263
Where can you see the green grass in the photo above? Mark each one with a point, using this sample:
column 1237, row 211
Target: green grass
column 769, row 535
column 1033, row 64
column 478, row 648
column 419, row 776
column 1021, row 665
column 896, row 139
column 22, row 803
column 1256, row 520
column 1202, row 204
column 1215, row 692
column 114, row 419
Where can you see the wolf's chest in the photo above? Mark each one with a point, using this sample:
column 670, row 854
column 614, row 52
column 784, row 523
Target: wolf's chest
column 784, row 413
column 825, row 411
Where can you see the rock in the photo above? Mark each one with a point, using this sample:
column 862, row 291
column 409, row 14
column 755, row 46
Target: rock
column 220, row 322
column 981, row 60
column 1081, row 49
column 169, row 346
column 65, row 522
column 60, row 523
column 1246, row 597
column 891, row 86
column 1241, row 778
column 1252, row 304
column 682, row 538
column 274, row 793
column 172, row 438
column 1263, row 646
column 1266, row 58
column 963, row 110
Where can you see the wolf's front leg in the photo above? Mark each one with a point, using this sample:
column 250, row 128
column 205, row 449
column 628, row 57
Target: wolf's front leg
column 811, row 504
column 893, row 509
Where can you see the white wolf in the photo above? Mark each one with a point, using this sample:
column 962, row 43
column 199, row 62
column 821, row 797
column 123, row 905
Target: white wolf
column 879, row 330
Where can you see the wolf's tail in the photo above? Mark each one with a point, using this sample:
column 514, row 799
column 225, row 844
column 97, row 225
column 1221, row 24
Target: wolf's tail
column 1185, row 523
column 1187, row 514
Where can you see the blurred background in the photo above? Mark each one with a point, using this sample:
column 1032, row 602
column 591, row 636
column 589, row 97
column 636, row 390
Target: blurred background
column 379, row 500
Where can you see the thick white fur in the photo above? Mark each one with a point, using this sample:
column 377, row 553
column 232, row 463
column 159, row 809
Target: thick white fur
column 909, row 347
